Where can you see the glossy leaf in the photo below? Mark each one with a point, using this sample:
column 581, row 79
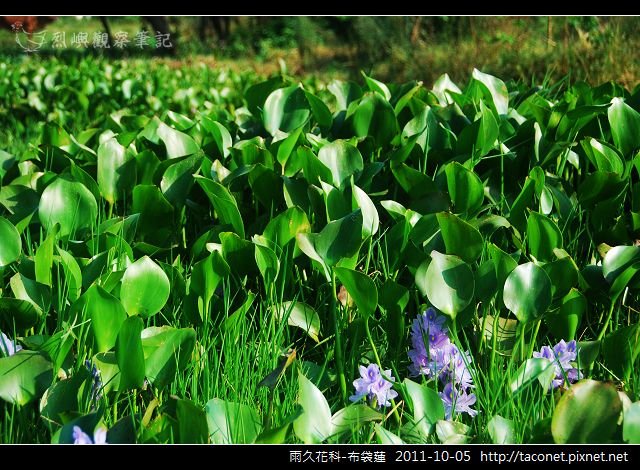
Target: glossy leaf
column 527, row 292
column 587, row 413
column 145, row 288
column 314, row 425
column 449, row 283
column 10, row 243
column 68, row 203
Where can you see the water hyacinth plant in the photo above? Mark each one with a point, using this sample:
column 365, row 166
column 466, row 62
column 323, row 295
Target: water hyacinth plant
column 221, row 248
column 563, row 356
column 375, row 386
column 435, row 356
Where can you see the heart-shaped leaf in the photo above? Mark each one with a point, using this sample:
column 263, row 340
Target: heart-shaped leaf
column 145, row 288
column 449, row 283
column 587, row 413
column 68, row 203
column 527, row 292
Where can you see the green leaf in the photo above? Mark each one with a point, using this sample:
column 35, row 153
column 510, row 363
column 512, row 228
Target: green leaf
column 375, row 117
column 495, row 89
column 238, row 253
column 620, row 350
column 604, row 156
column 527, row 292
column 177, row 179
column 68, row 203
column 488, row 132
column 625, row 126
column 599, row 186
column 387, row 437
column 106, row 313
column 207, row 274
column 377, row 86
column 192, row 423
column 486, row 281
column 220, row 135
column 563, row 274
column 351, row 417
column 301, row 315
column 501, row 430
column 116, row 170
column 342, row 159
column 452, row 432
column 6, row 162
column 535, row 368
column 155, row 222
column 543, row 236
column 428, row 408
column 631, row 424
column 587, row 413
column 370, row 219
column 505, row 264
column 460, row 238
column 44, row 259
column 267, row 260
column 72, row 274
column 565, row 322
column 345, row 93
column 314, row 425
column 166, row 350
column 443, row 87
column 285, row 110
column 393, row 299
column 24, row 377
column 129, row 354
column 224, row 203
column 339, row 239
column 61, row 399
column 449, row 283
column 18, row 313
column 107, row 364
column 27, row 289
column 617, row 260
column 10, row 243
column 231, row 423
column 517, row 214
column 145, row 288
column 465, row 188
column 282, row 229
column 361, row 288
column 320, row 111
column 286, row 148
column 178, row 144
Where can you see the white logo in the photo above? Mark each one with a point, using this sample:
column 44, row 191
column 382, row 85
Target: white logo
column 30, row 42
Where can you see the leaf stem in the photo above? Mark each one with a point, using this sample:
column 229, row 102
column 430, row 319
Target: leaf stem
column 338, row 339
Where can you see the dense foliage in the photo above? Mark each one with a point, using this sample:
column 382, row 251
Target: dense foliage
column 191, row 255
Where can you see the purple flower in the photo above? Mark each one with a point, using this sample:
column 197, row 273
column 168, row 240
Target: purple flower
column 562, row 356
column 80, row 437
column 434, row 355
column 374, row 386
column 423, row 356
column 429, row 325
column 458, row 400
column 454, row 366
column 8, row 347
